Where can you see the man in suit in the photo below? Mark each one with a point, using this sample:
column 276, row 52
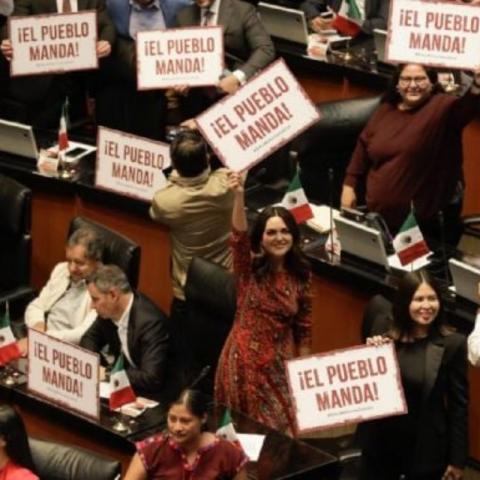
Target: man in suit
column 129, row 324
column 45, row 94
column 248, row 47
column 374, row 13
column 63, row 309
column 120, row 105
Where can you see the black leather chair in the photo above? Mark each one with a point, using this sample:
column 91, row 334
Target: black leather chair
column 61, row 462
column 119, row 250
column 377, row 318
column 15, row 245
column 211, row 302
column 329, row 144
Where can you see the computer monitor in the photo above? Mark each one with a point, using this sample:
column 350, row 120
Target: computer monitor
column 18, row 139
column 361, row 241
column 284, row 23
column 465, row 280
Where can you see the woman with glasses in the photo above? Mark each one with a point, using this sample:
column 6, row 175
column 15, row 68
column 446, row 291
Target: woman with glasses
column 272, row 322
column 410, row 153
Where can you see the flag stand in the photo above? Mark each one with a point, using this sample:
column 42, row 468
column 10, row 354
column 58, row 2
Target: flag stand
column 120, row 426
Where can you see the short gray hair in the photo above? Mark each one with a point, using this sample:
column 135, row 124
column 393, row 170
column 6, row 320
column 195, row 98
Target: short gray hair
column 90, row 240
column 107, row 277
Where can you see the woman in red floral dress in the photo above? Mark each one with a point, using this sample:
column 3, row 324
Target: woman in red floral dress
column 272, row 323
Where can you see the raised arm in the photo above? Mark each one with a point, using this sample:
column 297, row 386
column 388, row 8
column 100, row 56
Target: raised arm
column 237, row 183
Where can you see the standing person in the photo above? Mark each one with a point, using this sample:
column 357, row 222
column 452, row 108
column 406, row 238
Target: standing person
column 272, row 323
column 187, row 449
column 430, row 442
column 15, row 456
column 196, row 207
column 411, row 152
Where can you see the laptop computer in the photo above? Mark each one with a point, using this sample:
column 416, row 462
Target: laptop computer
column 18, row 139
column 465, row 280
column 361, row 241
column 284, row 23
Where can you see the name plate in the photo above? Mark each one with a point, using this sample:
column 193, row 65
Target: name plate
column 345, row 386
column 181, row 56
column 130, row 165
column 53, row 43
column 263, row 115
column 63, row 373
column 443, row 34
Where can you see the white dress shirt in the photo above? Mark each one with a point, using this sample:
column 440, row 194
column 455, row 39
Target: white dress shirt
column 122, row 326
column 474, row 343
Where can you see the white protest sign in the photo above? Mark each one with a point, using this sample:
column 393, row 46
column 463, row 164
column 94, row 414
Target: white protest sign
column 444, row 34
column 345, row 386
column 182, row 56
column 262, row 116
column 130, row 165
column 63, row 373
column 53, row 43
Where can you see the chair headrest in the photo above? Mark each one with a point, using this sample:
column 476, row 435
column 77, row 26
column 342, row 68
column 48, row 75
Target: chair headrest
column 15, row 204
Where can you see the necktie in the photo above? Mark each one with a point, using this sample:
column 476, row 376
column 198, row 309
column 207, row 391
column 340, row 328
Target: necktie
column 207, row 16
column 352, row 10
column 66, row 8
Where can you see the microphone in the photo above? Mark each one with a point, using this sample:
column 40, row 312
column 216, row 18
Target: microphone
column 443, row 245
column 330, row 197
column 203, row 373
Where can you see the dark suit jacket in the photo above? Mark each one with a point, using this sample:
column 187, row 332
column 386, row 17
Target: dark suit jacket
column 34, row 88
column 443, row 418
column 147, row 343
column 376, row 12
column 247, row 44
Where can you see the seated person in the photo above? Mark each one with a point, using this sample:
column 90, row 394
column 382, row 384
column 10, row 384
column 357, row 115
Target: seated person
column 128, row 323
column 63, row 309
column 44, row 95
column 120, row 105
column 372, row 14
column 187, row 449
column 15, row 456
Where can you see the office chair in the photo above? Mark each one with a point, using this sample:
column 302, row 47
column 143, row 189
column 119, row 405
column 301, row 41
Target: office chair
column 15, row 245
column 55, row 461
column 119, row 250
column 211, row 303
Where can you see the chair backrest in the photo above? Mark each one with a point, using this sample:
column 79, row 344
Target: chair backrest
column 211, row 302
column 329, row 144
column 377, row 318
column 54, row 461
column 15, row 238
column 119, row 250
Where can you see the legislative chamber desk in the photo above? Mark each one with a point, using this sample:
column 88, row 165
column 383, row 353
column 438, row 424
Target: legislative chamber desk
column 281, row 457
column 340, row 290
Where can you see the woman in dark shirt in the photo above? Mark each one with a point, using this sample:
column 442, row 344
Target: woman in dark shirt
column 430, row 442
column 410, row 152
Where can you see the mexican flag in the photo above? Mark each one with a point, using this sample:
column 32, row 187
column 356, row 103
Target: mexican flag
column 121, row 391
column 8, row 345
column 227, row 430
column 409, row 243
column 348, row 19
column 62, row 131
column 296, row 201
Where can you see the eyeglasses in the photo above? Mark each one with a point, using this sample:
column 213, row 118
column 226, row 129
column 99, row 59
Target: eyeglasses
column 406, row 81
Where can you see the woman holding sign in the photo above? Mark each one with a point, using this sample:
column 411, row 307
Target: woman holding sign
column 430, row 442
column 272, row 322
column 410, row 152
column 15, row 457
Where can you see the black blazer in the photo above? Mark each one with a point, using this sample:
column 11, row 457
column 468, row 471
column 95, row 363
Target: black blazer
column 376, row 12
column 248, row 46
column 147, row 344
column 443, row 426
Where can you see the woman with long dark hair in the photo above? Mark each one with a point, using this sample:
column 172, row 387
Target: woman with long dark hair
column 15, row 457
column 410, row 153
column 430, row 442
column 187, row 450
column 272, row 322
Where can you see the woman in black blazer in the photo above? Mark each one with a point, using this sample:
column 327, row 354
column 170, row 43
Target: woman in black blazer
column 431, row 441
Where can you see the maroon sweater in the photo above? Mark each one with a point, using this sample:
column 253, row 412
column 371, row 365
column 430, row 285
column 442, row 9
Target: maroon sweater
column 414, row 155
